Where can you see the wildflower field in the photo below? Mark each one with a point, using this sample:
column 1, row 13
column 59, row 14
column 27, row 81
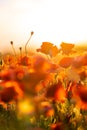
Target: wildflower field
column 45, row 89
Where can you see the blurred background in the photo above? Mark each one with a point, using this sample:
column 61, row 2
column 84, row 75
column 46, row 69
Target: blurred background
column 51, row 20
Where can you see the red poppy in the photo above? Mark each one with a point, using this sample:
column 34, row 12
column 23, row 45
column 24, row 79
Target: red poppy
column 25, row 61
column 80, row 95
column 56, row 92
column 83, row 74
column 10, row 90
column 8, row 94
column 8, row 74
column 58, row 126
column 30, row 81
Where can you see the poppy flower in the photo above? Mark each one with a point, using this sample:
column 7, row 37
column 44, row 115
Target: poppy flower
column 20, row 72
column 8, row 94
column 46, row 108
column 79, row 92
column 7, row 74
column 42, row 65
column 30, row 82
column 10, row 90
column 9, row 59
column 45, row 47
column 25, row 61
column 49, row 49
column 66, row 48
column 57, row 126
column 49, row 112
column 66, row 62
column 54, row 51
column 56, row 92
column 80, row 61
column 83, row 74
column 38, row 71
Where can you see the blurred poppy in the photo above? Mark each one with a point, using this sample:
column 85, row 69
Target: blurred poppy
column 66, row 47
column 80, row 61
column 45, row 47
column 7, row 74
column 56, row 92
column 47, row 108
column 20, row 72
column 8, row 94
column 30, row 82
column 57, row 126
column 25, row 61
column 10, row 90
column 43, row 65
column 49, row 112
column 83, row 74
column 80, row 95
column 54, row 51
column 66, row 62
column 49, row 49
column 12, row 73
column 41, row 87
column 8, row 59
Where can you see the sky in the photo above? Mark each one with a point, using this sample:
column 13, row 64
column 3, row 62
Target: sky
column 51, row 20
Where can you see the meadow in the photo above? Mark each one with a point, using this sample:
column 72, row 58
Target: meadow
column 45, row 89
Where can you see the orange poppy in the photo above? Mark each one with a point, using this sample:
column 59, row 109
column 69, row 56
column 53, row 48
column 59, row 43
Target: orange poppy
column 8, row 94
column 83, row 74
column 7, row 74
column 57, row 126
column 80, row 61
column 66, row 62
column 42, row 64
column 25, row 61
column 48, row 48
column 9, row 59
column 79, row 92
column 66, row 47
column 56, row 92
column 10, row 90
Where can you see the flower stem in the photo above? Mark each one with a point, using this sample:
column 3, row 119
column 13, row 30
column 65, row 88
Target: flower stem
column 13, row 48
column 20, row 48
column 28, row 42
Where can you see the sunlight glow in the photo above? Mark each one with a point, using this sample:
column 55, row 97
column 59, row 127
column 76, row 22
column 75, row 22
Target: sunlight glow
column 53, row 21
column 25, row 107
